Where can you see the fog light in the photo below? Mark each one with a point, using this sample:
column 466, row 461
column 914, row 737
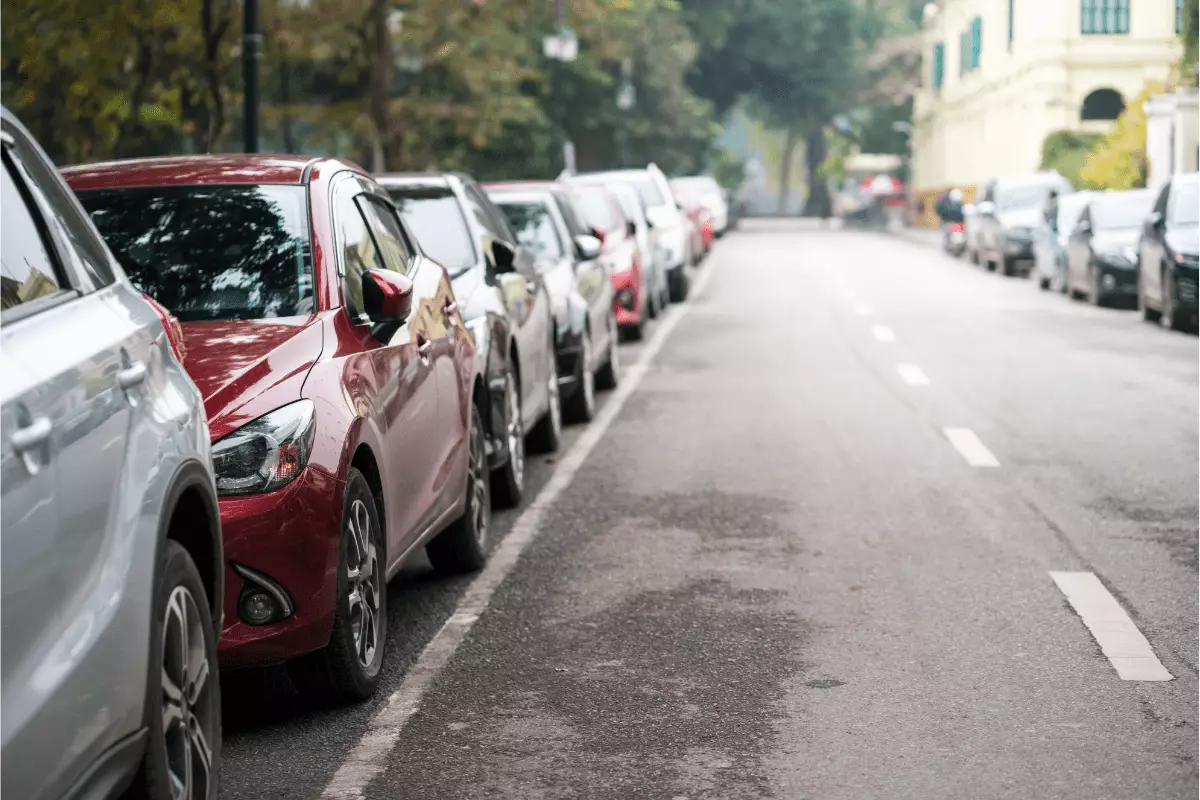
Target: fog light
column 257, row 607
column 1108, row 282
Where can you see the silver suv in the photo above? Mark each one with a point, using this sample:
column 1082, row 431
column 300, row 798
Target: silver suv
column 111, row 576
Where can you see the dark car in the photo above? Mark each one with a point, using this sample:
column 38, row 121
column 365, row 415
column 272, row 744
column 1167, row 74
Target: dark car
column 544, row 218
column 1167, row 255
column 1050, row 240
column 1006, row 214
column 506, row 306
column 1102, row 249
column 339, row 384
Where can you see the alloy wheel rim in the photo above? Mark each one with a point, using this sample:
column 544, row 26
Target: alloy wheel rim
column 555, row 400
column 364, row 586
column 187, row 714
column 589, row 380
column 516, row 441
column 477, row 477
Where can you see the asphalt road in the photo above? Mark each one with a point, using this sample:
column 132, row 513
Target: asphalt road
column 768, row 570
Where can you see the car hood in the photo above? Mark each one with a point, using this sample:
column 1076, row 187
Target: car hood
column 245, row 368
column 1115, row 239
column 1021, row 217
column 1184, row 240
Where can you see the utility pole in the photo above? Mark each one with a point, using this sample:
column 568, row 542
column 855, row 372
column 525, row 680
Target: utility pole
column 561, row 46
column 251, row 54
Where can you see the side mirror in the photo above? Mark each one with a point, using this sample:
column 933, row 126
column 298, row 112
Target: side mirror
column 631, row 228
column 1155, row 220
column 1084, row 227
column 587, row 247
column 387, row 296
column 986, row 208
column 599, row 234
column 504, row 256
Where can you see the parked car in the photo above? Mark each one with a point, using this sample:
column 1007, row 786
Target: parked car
column 1050, row 240
column 653, row 271
column 506, row 306
column 713, row 198
column 544, row 219
column 971, row 232
column 338, row 379
column 668, row 224
column 1167, row 251
column 1102, row 250
column 701, row 229
column 112, row 543
column 619, row 248
column 1007, row 212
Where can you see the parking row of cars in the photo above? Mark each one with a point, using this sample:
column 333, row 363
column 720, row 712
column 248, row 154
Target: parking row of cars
column 1136, row 248
column 238, row 392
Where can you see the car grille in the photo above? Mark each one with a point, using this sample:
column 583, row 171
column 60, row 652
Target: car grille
column 1187, row 288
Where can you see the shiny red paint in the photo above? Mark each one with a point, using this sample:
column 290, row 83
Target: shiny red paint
column 396, row 411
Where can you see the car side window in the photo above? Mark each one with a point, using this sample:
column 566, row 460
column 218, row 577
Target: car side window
column 480, row 210
column 574, row 226
column 28, row 270
column 357, row 251
column 389, row 235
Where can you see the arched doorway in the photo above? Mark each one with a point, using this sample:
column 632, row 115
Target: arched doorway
column 1103, row 105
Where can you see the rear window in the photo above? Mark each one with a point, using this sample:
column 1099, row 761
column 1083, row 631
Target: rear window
column 533, row 226
column 648, row 192
column 436, row 219
column 1121, row 209
column 597, row 207
column 1009, row 198
column 212, row 252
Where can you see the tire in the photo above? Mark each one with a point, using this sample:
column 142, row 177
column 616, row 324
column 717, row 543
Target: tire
column 1168, row 317
column 348, row 668
column 1043, row 283
column 609, row 374
column 509, row 480
column 547, row 434
column 581, row 405
column 677, row 284
column 461, row 547
column 182, row 620
column 1008, row 266
column 652, row 302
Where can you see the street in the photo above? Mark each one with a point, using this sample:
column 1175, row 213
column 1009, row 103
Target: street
column 805, row 551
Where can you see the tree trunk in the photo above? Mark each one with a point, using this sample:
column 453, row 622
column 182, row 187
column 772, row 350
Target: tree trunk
column 785, row 168
column 381, row 81
column 285, row 96
column 214, row 32
column 818, row 203
column 125, row 147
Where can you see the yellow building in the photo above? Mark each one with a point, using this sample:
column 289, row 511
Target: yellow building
column 999, row 75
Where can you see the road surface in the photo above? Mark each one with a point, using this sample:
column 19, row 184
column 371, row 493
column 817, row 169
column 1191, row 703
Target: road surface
column 833, row 538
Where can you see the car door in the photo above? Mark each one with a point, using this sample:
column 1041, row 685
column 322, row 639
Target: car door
column 525, row 298
column 1078, row 251
column 1151, row 249
column 73, row 370
column 388, row 375
column 591, row 276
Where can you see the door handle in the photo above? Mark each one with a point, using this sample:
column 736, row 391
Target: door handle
column 31, row 436
column 132, row 376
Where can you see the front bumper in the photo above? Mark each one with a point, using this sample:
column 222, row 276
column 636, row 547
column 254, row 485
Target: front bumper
column 290, row 536
column 627, row 298
column 568, row 350
column 1186, row 290
column 1117, row 280
column 1018, row 249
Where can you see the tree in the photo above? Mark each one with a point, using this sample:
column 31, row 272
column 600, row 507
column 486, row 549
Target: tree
column 1066, row 151
column 1119, row 159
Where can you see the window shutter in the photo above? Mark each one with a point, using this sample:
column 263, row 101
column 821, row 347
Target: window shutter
column 939, row 66
column 976, row 41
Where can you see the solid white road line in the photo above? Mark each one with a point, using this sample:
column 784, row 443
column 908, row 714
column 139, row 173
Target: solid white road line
column 970, row 447
column 863, row 310
column 883, row 333
column 912, row 375
column 1119, row 639
column 369, row 756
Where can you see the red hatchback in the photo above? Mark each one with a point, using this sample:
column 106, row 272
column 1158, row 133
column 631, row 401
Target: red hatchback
column 603, row 213
column 338, row 380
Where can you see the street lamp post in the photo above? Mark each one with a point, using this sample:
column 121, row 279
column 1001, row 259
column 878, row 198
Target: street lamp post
column 251, row 54
column 560, row 47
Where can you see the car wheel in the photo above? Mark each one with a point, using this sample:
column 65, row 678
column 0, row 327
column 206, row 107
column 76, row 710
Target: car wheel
column 609, row 374
column 1095, row 294
column 547, row 434
column 183, row 701
column 461, row 547
column 509, row 480
column 677, row 284
column 651, row 304
column 1043, row 283
column 348, row 668
column 1008, row 266
column 1148, row 314
column 581, row 405
column 1169, row 318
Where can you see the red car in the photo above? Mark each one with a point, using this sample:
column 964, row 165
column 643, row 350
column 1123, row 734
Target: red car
column 338, row 380
column 603, row 213
column 692, row 203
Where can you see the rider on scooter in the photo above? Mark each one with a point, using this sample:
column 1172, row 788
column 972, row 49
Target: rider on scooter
column 950, row 209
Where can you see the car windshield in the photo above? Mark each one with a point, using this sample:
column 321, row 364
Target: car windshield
column 436, row 219
column 533, row 225
column 597, row 207
column 1027, row 196
column 1121, row 210
column 212, row 252
column 1070, row 209
column 1186, row 204
column 648, row 192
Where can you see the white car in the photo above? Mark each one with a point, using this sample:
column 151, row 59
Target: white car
column 712, row 197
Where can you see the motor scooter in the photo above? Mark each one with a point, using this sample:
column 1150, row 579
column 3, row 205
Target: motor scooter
column 954, row 238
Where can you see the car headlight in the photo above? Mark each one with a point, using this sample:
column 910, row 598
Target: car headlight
column 1120, row 257
column 267, row 453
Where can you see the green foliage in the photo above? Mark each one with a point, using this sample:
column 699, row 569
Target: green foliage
column 1119, row 159
column 1066, row 151
column 1191, row 42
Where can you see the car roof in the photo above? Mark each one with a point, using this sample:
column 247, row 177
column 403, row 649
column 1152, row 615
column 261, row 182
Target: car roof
column 524, row 186
column 416, row 179
column 615, row 174
column 201, row 169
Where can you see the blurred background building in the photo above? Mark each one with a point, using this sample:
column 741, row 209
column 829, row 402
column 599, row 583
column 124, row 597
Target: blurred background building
column 1000, row 76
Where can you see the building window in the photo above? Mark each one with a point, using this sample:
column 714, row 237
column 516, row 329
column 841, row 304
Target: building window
column 1105, row 16
column 939, row 65
column 1011, row 3
column 1179, row 16
column 1102, row 104
column 976, row 41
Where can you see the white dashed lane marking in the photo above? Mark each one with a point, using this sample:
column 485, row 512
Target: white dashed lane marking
column 883, row 333
column 912, row 375
column 1121, row 642
column 970, row 447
